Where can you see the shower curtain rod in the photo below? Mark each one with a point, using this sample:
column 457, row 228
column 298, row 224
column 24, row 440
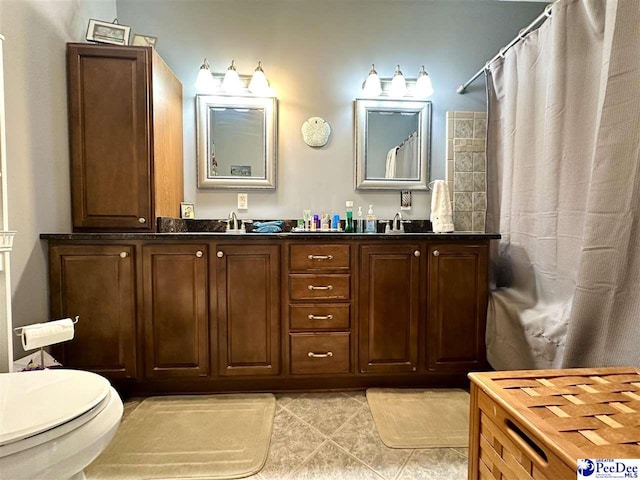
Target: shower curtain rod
column 537, row 22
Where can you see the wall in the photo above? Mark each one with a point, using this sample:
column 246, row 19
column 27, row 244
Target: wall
column 316, row 55
column 37, row 143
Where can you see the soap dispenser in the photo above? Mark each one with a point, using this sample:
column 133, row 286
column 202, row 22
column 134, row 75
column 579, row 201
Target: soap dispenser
column 360, row 221
column 371, row 221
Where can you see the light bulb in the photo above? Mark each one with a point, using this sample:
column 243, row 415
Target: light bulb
column 259, row 83
column 372, row 86
column 398, row 84
column 204, row 81
column 424, row 88
column 231, row 82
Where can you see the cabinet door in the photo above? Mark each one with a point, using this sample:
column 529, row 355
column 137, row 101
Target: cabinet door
column 176, row 329
column 248, row 297
column 108, row 93
column 96, row 283
column 457, row 300
column 389, row 303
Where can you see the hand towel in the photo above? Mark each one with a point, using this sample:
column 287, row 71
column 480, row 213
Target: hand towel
column 268, row 227
column 441, row 212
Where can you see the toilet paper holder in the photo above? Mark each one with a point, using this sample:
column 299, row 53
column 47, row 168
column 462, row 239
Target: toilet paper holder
column 20, row 332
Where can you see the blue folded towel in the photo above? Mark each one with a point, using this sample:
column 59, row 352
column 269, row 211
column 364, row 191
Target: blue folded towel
column 268, row 227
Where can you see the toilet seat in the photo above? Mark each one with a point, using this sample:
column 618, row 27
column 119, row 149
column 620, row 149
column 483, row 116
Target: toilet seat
column 41, row 405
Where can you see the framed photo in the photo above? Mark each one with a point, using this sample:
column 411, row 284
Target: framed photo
column 105, row 32
column 144, row 40
column 187, row 210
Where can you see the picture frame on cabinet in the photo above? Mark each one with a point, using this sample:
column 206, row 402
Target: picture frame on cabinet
column 187, row 210
column 105, row 32
column 144, row 40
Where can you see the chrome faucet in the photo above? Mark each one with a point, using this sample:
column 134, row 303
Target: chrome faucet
column 396, row 223
column 232, row 218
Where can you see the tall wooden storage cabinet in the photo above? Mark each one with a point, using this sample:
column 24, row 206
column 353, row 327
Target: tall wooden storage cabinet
column 125, row 133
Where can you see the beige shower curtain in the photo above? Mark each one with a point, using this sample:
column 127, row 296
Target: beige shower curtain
column 564, row 178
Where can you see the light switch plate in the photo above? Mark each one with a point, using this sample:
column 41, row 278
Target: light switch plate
column 243, row 201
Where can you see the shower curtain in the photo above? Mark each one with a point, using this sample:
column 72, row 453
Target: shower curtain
column 564, row 191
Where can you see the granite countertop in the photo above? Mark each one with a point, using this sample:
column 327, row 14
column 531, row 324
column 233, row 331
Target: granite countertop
column 202, row 229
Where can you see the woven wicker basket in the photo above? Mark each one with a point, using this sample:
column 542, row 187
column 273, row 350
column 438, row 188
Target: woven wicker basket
column 537, row 424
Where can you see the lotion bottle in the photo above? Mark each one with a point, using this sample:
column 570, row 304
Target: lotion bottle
column 360, row 221
column 371, row 221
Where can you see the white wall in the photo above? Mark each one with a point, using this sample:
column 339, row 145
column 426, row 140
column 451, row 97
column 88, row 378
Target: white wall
column 37, row 144
column 316, row 54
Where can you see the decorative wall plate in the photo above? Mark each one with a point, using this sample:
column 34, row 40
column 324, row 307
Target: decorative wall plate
column 316, row 132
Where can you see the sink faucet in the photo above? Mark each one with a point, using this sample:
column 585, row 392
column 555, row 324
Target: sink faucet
column 232, row 218
column 396, row 223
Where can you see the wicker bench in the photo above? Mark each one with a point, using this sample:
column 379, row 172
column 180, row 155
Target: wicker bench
column 536, row 424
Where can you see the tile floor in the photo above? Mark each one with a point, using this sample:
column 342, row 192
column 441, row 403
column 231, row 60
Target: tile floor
column 332, row 436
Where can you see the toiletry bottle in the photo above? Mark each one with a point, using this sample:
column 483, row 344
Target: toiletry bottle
column 335, row 223
column 348, row 223
column 359, row 222
column 371, row 221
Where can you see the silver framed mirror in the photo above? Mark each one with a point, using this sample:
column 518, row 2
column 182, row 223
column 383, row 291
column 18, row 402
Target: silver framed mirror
column 392, row 144
column 236, row 141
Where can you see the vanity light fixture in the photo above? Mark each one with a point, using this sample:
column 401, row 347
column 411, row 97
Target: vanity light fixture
column 398, row 84
column 424, row 88
column 259, row 84
column 231, row 82
column 204, row 81
column 372, row 86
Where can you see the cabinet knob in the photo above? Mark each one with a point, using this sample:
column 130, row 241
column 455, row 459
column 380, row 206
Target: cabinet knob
column 220, row 254
column 436, row 253
column 319, row 355
column 142, row 220
column 416, row 253
column 199, row 254
column 124, row 254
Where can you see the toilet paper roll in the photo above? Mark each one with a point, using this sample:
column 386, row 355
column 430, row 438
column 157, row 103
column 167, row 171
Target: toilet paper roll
column 43, row 334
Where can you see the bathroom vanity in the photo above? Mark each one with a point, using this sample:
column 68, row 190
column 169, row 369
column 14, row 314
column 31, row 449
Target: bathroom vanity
column 205, row 312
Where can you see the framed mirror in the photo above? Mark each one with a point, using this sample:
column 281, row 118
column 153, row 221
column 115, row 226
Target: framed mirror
column 236, row 138
column 393, row 142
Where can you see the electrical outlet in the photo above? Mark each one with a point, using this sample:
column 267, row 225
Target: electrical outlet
column 243, row 201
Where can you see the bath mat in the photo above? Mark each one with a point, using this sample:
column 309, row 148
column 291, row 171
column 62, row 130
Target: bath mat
column 427, row 418
column 190, row 437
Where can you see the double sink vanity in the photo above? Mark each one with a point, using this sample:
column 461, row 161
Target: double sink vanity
column 196, row 309
column 201, row 312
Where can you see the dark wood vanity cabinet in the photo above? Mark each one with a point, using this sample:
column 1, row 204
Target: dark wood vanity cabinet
column 96, row 283
column 125, row 137
column 247, row 290
column 211, row 314
column 389, row 307
column 457, row 307
column 175, row 310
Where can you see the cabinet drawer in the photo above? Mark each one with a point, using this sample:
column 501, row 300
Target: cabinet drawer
column 320, row 353
column 319, row 257
column 319, row 287
column 326, row 316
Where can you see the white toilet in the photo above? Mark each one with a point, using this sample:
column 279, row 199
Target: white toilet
column 54, row 423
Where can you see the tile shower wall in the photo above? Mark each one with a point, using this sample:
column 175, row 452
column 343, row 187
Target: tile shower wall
column 467, row 169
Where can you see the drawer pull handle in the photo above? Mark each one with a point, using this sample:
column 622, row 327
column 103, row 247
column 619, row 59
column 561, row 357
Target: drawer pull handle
column 321, row 287
column 124, row 254
column 320, row 257
column 436, row 253
column 320, row 317
column 319, row 355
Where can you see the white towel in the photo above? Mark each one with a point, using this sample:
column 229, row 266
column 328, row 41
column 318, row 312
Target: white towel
column 390, row 167
column 441, row 212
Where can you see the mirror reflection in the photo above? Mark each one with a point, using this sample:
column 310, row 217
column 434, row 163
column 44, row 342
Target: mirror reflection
column 236, row 141
column 392, row 144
